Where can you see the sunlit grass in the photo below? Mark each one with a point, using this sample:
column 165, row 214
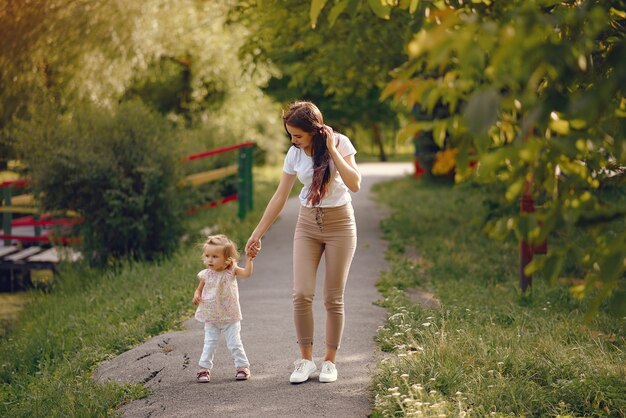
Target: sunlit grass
column 10, row 306
column 486, row 350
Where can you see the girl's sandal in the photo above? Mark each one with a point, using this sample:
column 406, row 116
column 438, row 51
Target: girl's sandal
column 243, row 373
column 204, row 376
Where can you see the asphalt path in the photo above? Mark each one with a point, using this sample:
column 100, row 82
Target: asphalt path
column 167, row 363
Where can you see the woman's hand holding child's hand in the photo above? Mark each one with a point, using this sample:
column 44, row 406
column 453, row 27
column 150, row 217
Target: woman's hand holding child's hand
column 253, row 247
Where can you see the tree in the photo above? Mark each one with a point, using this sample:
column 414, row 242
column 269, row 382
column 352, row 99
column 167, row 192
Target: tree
column 70, row 71
column 342, row 64
column 71, row 51
column 43, row 44
column 536, row 90
column 117, row 169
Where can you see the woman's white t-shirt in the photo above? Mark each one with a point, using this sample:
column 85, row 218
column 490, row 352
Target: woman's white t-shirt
column 300, row 164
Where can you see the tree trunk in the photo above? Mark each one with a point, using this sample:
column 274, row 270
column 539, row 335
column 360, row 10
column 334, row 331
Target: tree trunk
column 379, row 141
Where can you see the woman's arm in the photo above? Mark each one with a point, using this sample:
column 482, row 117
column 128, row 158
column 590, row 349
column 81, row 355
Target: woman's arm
column 348, row 170
column 346, row 166
column 273, row 209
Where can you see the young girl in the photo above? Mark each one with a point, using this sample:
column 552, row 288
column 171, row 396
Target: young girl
column 217, row 297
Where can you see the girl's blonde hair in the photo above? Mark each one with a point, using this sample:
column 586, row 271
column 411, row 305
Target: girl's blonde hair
column 230, row 248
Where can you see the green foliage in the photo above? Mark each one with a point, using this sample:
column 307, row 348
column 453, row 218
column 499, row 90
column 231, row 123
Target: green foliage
column 342, row 65
column 178, row 57
column 116, row 169
column 535, row 90
column 72, row 49
column 191, row 72
column 485, row 350
column 165, row 86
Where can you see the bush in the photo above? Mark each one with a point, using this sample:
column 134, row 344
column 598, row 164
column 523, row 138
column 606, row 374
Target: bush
column 118, row 169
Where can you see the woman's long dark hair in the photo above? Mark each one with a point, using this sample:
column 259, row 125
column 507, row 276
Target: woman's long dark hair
column 307, row 117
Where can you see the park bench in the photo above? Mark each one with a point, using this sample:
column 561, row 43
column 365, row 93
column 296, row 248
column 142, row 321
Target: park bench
column 27, row 236
column 39, row 263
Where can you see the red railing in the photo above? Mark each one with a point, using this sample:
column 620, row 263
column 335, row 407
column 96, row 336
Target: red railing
column 244, row 173
column 218, row 151
column 37, row 221
column 15, row 183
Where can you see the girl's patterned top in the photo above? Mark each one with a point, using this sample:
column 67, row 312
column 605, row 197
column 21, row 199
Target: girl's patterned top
column 220, row 297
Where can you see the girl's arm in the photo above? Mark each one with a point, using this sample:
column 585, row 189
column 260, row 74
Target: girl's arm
column 346, row 166
column 247, row 270
column 197, row 295
column 273, row 209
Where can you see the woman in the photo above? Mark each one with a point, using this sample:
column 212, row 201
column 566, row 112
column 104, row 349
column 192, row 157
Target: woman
column 324, row 163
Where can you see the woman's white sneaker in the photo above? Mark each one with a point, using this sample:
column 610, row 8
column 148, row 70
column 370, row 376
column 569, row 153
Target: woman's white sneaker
column 302, row 372
column 329, row 372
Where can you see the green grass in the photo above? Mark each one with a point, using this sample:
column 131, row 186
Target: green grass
column 487, row 350
column 49, row 353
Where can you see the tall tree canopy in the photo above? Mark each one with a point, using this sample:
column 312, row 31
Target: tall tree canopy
column 178, row 56
column 343, row 64
column 535, row 89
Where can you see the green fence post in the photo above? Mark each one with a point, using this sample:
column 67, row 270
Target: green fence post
column 37, row 217
column 7, row 217
column 241, row 192
column 244, row 192
column 250, row 160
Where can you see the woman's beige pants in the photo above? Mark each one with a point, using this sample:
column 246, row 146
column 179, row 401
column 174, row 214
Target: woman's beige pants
column 332, row 232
